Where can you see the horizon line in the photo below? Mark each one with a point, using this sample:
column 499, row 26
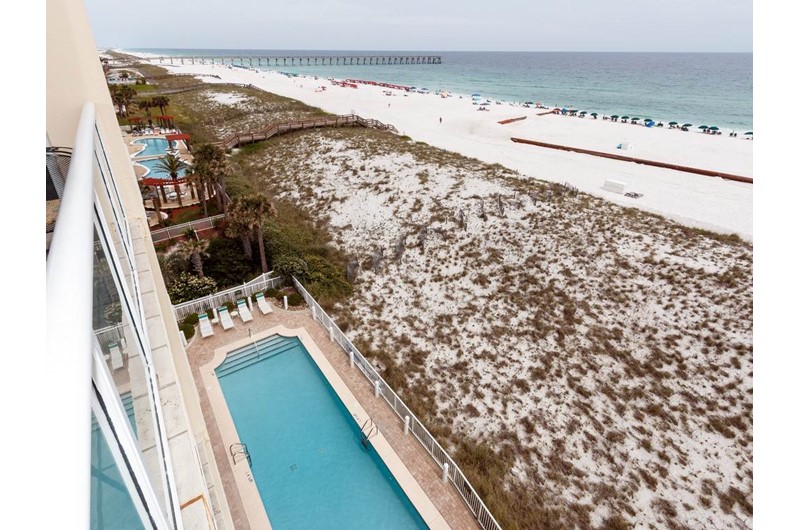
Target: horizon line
column 423, row 51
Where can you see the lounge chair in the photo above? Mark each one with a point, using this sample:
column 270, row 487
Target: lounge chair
column 244, row 311
column 116, row 355
column 205, row 326
column 263, row 305
column 225, row 318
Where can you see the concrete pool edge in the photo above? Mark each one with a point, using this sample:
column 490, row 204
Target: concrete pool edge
column 245, row 482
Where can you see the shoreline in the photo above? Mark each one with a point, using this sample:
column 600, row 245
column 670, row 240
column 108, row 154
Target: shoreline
column 693, row 200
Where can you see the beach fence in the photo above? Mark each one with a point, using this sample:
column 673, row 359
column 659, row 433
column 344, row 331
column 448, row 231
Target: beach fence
column 450, row 470
column 165, row 234
column 213, row 301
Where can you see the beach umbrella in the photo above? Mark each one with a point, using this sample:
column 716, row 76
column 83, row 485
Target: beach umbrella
column 673, row 123
column 715, row 128
column 749, row 133
column 647, row 119
column 703, row 127
column 687, row 125
column 634, row 119
column 614, row 116
column 593, row 114
column 625, row 118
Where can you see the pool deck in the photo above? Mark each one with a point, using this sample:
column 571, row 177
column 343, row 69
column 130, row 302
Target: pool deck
column 421, row 466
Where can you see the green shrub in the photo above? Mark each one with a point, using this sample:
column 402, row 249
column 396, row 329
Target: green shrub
column 295, row 299
column 187, row 287
column 272, row 293
column 288, row 265
column 187, row 328
column 226, row 263
column 191, row 319
column 230, row 305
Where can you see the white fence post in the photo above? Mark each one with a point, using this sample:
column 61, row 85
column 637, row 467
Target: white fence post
column 445, row 469
column 406, row 423
column 313, row 312
column 330, row 332
column 352, row 360
column 377, row 388
column 285, row 302
column 183, row 338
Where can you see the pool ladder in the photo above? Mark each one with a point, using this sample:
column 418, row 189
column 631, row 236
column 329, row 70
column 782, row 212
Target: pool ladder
column 240, row 450
column 368, row 430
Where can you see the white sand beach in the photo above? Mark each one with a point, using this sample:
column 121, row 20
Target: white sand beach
column 694, row 200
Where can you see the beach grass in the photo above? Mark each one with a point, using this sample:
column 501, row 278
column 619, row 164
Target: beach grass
column 573, row 355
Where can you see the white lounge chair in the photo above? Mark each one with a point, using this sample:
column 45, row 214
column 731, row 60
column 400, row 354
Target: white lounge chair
column 263, row 305
column 205, row 326
column 244, row 311
column 225, row 318
column 116, row 355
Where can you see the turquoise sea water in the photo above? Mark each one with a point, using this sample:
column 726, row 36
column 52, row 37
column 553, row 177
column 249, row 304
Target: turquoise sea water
column 310, row 467
column 699, row 88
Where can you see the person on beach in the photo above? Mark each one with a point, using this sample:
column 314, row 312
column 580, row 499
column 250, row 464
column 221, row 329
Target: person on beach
column 440, row 120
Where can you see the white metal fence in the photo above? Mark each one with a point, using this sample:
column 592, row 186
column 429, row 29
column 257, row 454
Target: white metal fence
column 170, row 232
column 212, row 301
column 462, row 485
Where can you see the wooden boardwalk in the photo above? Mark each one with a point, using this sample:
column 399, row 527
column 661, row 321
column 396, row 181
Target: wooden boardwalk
column 347, row 120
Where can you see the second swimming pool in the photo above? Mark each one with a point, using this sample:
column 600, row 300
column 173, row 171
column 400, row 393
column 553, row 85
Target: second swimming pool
column 310, row 467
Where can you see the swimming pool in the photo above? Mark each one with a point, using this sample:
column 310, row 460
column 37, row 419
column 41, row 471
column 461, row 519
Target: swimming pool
column 156, row 173
column 308, row 462
column 152, row 146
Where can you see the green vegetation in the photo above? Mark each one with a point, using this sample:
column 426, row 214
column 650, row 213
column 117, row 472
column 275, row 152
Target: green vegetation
column 187, row 287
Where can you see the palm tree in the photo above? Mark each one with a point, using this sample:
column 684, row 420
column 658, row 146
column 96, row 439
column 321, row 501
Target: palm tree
column 148, row 192
column 172, row 164
column 202, row 180
column 193, row 250
column 253, row 210
column 162, row 102
column 211, row 161
column 239, row 227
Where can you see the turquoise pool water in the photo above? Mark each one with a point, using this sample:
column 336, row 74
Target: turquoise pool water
column 153, row 146
column 310, row 467
column 111, row 504
column 156, row 173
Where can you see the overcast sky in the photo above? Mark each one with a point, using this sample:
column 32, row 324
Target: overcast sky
column 436, row 25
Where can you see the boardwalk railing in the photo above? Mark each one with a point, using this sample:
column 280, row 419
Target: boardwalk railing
column 199, row 225
column 347, row 120
column 213, row 301
column 454, row 474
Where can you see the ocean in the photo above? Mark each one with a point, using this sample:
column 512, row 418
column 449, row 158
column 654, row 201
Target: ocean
column 699, row 88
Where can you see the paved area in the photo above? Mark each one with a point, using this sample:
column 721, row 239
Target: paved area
column 417, row 460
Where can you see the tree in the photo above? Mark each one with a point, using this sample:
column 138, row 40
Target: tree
column 201, row 178
column 252, row 211
column 238, row 227
column 145, row 105
column 148, row 192
column 173, row 165
column 193, row 250
column 210, row 160
column 122, row 95
column 162, row 102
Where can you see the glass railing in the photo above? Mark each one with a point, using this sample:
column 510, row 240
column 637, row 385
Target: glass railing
column 92, row 284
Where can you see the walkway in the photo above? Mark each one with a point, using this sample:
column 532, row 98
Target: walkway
column 200, row 351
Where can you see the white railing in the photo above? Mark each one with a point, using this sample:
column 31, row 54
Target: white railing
column 440, row 456
column 165, row 234
column 213, row 301
column 109, row 334
column 69, row 316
